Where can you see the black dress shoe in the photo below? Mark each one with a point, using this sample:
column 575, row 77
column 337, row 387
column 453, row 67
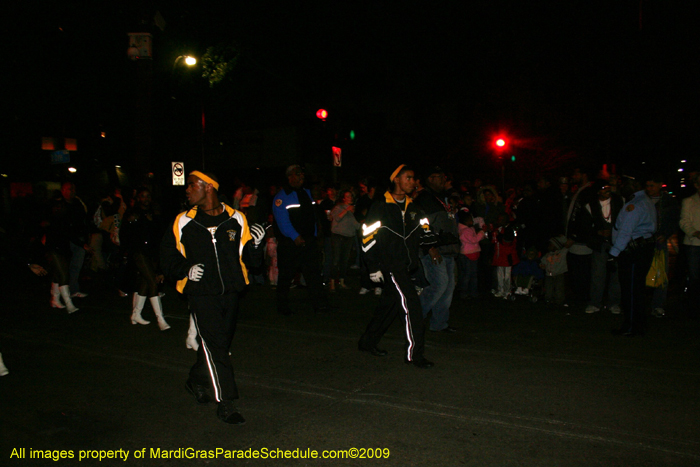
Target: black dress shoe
column 420, row 362
column 228, row 413
column 376, row 351
column 199, row 392
column 449, row 329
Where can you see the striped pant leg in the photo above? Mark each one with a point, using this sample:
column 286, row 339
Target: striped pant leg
column 215, row 319
column 399, row 298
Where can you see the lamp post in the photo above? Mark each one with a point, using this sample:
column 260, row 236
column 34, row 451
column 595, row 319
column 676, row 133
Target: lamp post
column 191, row 61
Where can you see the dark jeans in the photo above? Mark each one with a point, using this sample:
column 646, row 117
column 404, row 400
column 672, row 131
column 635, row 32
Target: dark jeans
column 468, row 276
column 580, row 276
column 290, row 260
column 342, row 246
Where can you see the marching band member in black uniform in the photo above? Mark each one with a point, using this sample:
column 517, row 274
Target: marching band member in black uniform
column 393, row 231
column 208, row 251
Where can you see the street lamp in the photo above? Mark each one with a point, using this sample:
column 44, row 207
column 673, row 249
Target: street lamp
column 189, row 60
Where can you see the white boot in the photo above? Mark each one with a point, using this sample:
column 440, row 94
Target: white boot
column 3, row 369
column 136, row 307
column 56, row 296
column 158, row 310
column 191, row 341
column 65, row 294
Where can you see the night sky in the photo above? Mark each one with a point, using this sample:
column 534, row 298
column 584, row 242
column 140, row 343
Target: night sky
column 612, row 82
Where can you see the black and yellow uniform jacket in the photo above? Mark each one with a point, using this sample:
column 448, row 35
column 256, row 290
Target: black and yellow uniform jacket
column 391, row 237
column 221, row 243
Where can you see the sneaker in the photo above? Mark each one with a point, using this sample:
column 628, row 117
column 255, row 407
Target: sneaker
column 659, row 312
column 364, row 291
column 519, row 291
column 377, row 291
column 497, row 294
column 615, row 309
column 592, row 309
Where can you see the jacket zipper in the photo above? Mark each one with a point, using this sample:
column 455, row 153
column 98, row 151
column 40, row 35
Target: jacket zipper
column 216, row 251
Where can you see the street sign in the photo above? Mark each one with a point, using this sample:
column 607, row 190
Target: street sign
column 178, row 173
column 337, row 156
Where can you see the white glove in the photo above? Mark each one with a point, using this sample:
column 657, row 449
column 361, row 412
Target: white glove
column 258, row 233
column 196, row 272
column 377, row 277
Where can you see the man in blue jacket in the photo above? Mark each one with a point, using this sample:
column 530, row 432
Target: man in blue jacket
column 296, row 230
column 633, row 250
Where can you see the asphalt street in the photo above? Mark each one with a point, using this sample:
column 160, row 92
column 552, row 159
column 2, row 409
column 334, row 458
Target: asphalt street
column 519, row 384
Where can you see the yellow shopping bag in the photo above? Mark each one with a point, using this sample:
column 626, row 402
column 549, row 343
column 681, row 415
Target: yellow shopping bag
column 656, row 277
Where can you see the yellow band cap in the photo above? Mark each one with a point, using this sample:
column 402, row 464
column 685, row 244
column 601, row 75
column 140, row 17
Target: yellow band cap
column 207, row 179
column 396, row 172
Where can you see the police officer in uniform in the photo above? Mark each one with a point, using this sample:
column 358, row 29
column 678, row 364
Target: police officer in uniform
column 209, row 250
column 633, row 250
column 394, row 230
column 294, row 211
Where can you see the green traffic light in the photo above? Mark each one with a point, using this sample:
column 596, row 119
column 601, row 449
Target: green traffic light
column 352, row 134
column 512, row 158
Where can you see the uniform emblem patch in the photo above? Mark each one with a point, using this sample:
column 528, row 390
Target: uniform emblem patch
column 231, row 235
column 278, row 202
column 630, row 208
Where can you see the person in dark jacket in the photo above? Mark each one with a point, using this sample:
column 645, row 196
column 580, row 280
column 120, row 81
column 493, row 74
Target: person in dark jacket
column 140, row 236
column 209, row 250
column 579, row 254
column 439, row 262
column 597, row 219
column 296, row 230
column 392, row 235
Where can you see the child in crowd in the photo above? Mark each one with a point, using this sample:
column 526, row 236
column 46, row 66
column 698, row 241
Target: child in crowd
column 469, row 254
column 505, row 256
column 527, row 271
column 554, row 265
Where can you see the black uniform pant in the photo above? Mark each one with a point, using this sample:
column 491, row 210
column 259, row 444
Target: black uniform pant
column 398, row 299
column 292, row 259
column 215, row 317
column 633, row 266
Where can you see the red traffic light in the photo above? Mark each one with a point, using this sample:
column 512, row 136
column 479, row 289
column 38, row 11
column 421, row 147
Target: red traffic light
column 500, row 142
column 322, row 114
